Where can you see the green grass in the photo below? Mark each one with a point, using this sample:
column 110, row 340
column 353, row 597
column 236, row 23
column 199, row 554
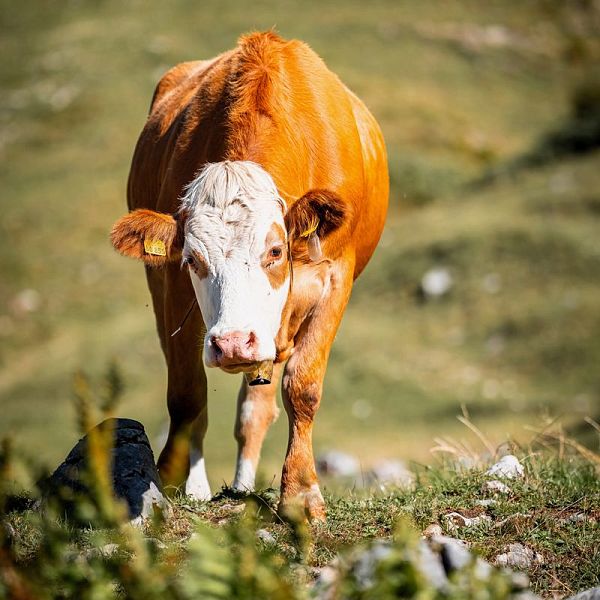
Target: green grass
column 185, row 549
column 77, row 80
column 516, row 341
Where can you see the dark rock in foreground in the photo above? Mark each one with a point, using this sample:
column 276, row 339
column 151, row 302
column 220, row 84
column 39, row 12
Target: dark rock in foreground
column 134, row 473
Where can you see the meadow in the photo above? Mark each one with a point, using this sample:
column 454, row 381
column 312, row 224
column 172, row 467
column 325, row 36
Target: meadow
column 461, row 89
column 491, row 113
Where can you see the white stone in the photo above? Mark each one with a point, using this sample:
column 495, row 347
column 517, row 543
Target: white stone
column 507, row 467
column 486, row 502
column 391, row 472
column 491, row 283
column 361, row 409
column 591, row 594
column 455, row 520
column 433, row 530
column 324, row 587
column 365, row 568
column 26, row 301
column 337, row 464
column 518, row 556
column 436, row 282
column 266, row 537
column 105, row 551
column 496, row 487
column 576, row 518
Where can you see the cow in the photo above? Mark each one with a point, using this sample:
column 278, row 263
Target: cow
column 257, row 193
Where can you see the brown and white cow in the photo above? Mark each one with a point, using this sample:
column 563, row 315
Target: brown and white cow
column 258, row 189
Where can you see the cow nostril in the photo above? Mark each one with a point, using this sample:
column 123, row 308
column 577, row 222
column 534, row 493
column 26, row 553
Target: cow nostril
column 215, row 343
column 251, row 341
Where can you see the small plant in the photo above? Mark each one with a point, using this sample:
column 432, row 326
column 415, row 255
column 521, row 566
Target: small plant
column 237, row 547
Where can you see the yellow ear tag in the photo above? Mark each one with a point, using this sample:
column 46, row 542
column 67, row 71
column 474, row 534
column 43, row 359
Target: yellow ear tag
column 155, row 247
column 311, row 228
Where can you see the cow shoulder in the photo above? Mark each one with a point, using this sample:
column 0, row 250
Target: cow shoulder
column 181, row 77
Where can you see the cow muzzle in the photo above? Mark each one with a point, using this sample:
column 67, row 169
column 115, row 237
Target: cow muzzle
column 234, row 349
column 239, row 351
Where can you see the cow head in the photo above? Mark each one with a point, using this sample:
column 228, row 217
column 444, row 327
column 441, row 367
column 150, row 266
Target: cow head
column 233, row 236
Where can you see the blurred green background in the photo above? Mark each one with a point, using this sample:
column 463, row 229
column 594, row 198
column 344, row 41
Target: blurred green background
column 490, row 112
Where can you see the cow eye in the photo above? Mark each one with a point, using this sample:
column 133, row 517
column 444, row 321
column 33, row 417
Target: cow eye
column 275, row 252
column 188, row 260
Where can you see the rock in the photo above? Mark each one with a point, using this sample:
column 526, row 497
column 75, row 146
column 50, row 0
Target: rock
column 9, row 532
column 576, row 518
column 455, row 553
column 365, row 567
column 234, row 508
column 455, row 520
column 362, row 409
column 158, row 544
column 337, row 464
column 507, row 467
column 516, row 522
column 483, row 569
column 266, row 537
column 433, row 530
column 436, row 282
column 105, row 551
column 519, row 580
column 324, row 586
column 491, row 283
column 455, row 556
column 391, row 473
column 445, row 563
column 591, row 594
column 26, row 301
column 431, row 567
column 496, row 487
column 135, row 477
column 518, row 556
column 486, row 503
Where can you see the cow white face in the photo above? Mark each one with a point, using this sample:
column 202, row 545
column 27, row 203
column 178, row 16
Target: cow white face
column 231, row 235
column 235, row 248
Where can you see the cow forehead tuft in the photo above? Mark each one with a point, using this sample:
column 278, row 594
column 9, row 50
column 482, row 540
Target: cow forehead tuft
column 230, row 183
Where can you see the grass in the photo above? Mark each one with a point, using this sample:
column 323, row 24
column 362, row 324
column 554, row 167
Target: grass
column 75, row 100
column 517, row 339
column 554, row 510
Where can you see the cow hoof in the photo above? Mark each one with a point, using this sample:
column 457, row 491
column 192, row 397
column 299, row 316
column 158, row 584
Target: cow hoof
column 197, row 485
column 201, row 495
column 306, row 505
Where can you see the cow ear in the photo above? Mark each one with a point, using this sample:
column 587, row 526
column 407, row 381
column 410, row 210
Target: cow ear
column 150, row 236
column 318, row 212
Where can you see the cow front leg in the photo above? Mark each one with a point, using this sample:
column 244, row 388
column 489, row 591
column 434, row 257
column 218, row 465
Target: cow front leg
column 302, row 388
column 197, row 485
column 182, row 462
column 256, row 410
column 300, row 493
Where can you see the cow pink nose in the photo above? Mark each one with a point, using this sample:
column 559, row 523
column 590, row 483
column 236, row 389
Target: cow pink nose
column 235, row 347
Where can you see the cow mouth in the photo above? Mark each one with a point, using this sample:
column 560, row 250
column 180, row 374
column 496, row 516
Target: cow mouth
column 238, row 367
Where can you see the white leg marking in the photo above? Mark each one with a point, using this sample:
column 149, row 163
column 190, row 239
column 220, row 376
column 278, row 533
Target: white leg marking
column 197, row 484
column 244, row 475
column 246, row 411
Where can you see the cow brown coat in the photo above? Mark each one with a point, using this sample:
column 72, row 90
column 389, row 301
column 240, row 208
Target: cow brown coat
column 273, row 102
